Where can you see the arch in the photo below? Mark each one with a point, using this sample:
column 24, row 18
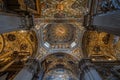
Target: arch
column 60, row 73
column 60, row 61
column 47, row 55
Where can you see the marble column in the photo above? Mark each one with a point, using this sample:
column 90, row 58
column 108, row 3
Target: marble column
column 14, row 22
column 108, row 22
column 28, row 72
column 88, row 72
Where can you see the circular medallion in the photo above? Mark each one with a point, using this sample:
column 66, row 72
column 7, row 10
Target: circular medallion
column 11, row 37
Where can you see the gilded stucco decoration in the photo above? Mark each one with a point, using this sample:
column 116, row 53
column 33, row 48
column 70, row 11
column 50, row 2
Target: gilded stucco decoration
column 17, row 46
column 101, row 46
column 63, row 8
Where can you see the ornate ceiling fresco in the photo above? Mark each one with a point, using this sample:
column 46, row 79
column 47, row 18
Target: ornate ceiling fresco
column 17, row 46
column 60, row 36
column 63, row 8
column 59, row 33
column 101, row 46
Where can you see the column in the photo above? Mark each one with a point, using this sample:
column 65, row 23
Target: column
column 28, row 72
column 88, row 72
column 108, row 22
column 13, row 22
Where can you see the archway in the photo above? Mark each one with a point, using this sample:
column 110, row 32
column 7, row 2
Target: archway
column 58, row 64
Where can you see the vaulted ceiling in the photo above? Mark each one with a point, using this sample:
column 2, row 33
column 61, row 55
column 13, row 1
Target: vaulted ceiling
column 59, row 35
column 61, row 61
column 63, row 8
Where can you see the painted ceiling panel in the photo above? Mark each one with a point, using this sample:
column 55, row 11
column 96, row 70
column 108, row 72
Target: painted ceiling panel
column 17, row 46
column 101, row 46
column 60, row 33
column 65, row 8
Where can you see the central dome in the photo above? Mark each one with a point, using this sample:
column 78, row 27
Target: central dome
column 59, row 33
